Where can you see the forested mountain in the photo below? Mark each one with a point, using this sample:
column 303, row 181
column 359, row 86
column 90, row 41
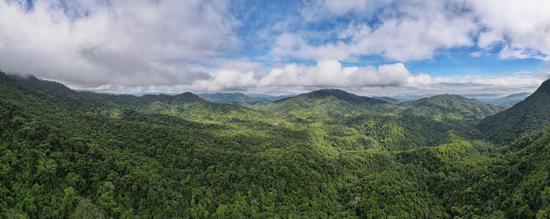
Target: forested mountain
column 336, row 94
column 186, row 105
column 328, row 153
column 451, row 107
column 324, row 104
column 531, row 114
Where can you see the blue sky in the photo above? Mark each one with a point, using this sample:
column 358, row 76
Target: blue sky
column 385, row 47
column 257, row 17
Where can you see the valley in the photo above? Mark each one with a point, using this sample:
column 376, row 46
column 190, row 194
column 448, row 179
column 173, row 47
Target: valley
column 327, row 153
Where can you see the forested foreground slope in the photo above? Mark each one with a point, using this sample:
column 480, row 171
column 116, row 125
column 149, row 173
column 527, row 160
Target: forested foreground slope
column 68, row 154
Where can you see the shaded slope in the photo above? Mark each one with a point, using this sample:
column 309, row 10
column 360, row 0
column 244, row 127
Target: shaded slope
column 334, row 93
column 451, row 108
column 327, row 104
column 526, row 116
column 59, row 94
column 186, row 105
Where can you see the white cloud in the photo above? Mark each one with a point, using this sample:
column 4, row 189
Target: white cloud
column 342, row 7
column 125, row 42
column 489, row 84
column 326, row 73
column 226, row 80
column 501, row 84
column 520, row 53
column 520, row 25
column 421, row 29
column 417, row 30
column 389, row 79
column 174, row 46
column 330, row 73
column 292, row 45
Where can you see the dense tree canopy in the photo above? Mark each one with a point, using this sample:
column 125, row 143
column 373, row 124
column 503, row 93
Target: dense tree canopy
column 68, row 154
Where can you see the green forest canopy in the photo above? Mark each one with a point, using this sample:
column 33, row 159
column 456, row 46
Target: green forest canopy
column 329, row 153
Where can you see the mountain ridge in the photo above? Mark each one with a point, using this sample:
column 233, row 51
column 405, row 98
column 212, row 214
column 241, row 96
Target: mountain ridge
column 336, row 93
column 451, row 107
column 166, row 155
column 526, row 116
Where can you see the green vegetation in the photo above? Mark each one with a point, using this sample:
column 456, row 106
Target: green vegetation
column 68, row 154
column 529, row 115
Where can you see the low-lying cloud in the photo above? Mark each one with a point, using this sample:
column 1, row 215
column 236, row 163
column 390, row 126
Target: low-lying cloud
column 387, row 79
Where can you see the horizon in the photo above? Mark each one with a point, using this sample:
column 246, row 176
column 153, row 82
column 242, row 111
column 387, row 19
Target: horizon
column 402, row 98
column 388, row 48
column 274, row 109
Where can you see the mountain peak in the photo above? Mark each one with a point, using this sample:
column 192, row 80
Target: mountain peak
column 3, row 75
column 188, row 95
column 544, row 87
column 451, row 107
column 442, row 99
column 338, row 94
column 329, row 92
column 528, row 115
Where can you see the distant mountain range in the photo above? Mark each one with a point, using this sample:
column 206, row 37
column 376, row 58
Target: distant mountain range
column 449, row 107
column 503, row 101
column 322, row 154
column 239, row 98
column 528, row 115
column 255, row 99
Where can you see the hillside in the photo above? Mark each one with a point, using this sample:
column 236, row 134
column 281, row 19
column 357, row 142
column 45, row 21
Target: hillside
column 185, row 105
column 528, row 115
column 67, row 154
column 336, row 94
column 323, row 104
column 141, row 164
column 525, row 169
column 451, row 108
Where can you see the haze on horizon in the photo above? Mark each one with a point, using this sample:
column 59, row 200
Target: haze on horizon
column 280, row 47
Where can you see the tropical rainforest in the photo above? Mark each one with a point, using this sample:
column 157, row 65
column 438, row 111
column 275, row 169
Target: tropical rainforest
column 323, row 154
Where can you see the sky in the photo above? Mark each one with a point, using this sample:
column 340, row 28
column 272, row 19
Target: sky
column 383, row 47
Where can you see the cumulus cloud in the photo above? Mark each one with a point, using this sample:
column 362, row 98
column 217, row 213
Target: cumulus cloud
column 389, row 79
column 417, row 30
column 326, row 73
column 175, row 46
column 331, row 73
column 522, row 26
column 417, row 33
column 124, row 42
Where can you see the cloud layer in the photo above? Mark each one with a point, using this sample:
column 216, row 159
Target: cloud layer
column 196, row 45
column 125, row 42
column 389, row 79
column 417, row 30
